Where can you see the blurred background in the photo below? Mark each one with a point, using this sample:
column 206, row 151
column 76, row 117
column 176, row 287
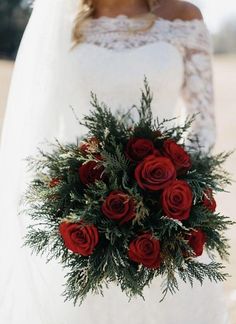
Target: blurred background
column 220, row 17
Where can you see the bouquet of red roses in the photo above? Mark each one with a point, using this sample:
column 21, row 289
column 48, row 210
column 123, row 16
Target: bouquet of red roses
column 130, row 202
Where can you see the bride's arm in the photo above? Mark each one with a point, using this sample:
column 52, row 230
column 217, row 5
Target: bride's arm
column 197, row 91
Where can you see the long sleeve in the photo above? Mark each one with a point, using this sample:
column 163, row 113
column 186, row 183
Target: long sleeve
column 197, row 91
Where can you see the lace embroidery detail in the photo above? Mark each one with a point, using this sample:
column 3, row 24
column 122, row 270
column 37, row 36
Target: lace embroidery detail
column 116, row 32
column 198, row 94
column 191, row 38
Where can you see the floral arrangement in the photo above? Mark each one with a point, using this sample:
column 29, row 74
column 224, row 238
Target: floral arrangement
column 128, row 203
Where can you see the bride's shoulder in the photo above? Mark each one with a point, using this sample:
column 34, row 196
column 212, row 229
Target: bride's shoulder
column 189, row 11
column 184, row 25
column 177, row 9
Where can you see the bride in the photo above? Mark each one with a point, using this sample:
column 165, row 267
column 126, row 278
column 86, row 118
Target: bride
column 114, row 44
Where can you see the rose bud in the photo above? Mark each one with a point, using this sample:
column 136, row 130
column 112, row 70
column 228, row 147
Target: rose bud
column 90, row 172
column 79, row 238
column 155, row 173
column 118, row 206
column 139, row 148
column 208, row 200
column 180, row 158
column 145, row 249
column 157, row 133
column 89, row 146
column 54, row 182
column 177, row 199
column 196, row 241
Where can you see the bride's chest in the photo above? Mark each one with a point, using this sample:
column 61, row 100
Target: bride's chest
column 107, row 70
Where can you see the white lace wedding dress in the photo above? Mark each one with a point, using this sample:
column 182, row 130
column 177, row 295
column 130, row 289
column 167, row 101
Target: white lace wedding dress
column 176, row 58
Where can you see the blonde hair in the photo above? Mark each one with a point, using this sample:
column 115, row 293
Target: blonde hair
column 86, row 10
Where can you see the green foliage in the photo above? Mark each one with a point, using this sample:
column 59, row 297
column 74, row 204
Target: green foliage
column 72, row 201
column 207, row 171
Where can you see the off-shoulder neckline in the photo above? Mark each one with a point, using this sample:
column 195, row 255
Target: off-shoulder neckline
column 123, row 17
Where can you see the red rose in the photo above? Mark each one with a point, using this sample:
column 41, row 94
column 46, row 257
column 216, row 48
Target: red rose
column 197, row 241
column 155, row 173
column 54, row 182
column 138, row 148
column 119, row 206
column 79, row 238
column 90, row 172
column 177, row 200
column 178, row 155
column 89, row 146
column 208, row 200
column 145, row 249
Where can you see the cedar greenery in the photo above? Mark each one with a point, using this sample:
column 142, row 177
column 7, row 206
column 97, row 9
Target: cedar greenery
column 71, row 200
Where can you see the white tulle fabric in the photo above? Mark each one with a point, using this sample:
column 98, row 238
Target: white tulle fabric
column 47, row 80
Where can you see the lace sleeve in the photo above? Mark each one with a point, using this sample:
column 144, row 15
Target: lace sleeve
column 197, row 91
